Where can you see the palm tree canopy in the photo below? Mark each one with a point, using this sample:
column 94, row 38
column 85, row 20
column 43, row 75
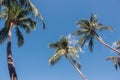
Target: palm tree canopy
column 115, row 60
column 88, row 30
column 61, row 47
column 20, row 17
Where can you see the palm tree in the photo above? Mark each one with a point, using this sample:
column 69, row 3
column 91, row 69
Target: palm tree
column 88, row 31
column 62, row 48
column 16, row 16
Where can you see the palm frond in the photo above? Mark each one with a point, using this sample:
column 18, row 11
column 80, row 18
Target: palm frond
column 115, row 60
column 4, row 2
column 24, row 26
column 3, row 34
column 3, row 13
column 74, row 51
column 80, row 32
column 93, row 18
column 118, row 42
column 23, row 13
column 19, row 37
column 36, row 12
column 55, row 45
column 82, row 41
column 75, row 62
column 54, row 59
column 22, row 2
column 91, row 44
column 83, row 24
column 64, row 42
column 30, row 22
column 100, row 26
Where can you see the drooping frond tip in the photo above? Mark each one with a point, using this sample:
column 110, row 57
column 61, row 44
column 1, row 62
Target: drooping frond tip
column 3, row 34
column 19, row 37
column 115, row 60
column 54, row 59
column 36, row 13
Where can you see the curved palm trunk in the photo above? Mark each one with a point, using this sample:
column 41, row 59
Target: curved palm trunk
column 105, row 44
column 78, row 70
column 11, row 67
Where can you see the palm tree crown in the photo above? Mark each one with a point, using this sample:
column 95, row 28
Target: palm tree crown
column 88, row 31
column 63, row 48
column 20, row 16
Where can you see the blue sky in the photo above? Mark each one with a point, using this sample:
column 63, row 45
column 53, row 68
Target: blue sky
column 31, row 60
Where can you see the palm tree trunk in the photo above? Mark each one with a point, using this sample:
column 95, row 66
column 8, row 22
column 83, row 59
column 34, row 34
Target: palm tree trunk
column 78, row 70
column 11, row 67
column 105, row 44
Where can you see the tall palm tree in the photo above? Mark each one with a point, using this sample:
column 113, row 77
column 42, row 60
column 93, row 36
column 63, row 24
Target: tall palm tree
column 62, row 48
column 88, row 31
column 16, row 16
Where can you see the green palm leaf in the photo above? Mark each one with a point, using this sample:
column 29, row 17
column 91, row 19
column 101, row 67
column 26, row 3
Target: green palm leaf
column 82, row 41
column 80, row 32
column 115, row 60
column 36, row 12
column 29, row 22
column 100, row 26
column 3, row 34
column 93, row 18
column 74, row 51
column 19, row 37
column 55, row 58
column 24, row 26
column 91, row 44
column 55, row 45
column 3, row 14
column 83, row 24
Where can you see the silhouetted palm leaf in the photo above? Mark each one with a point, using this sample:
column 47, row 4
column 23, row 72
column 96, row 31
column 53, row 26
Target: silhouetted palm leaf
column 3, row 34
column 82, row 41
column 55, row 58
column 79, row 32
column 36, row 12
column 83, row 24
column 102, row 27
column 19, row 37
column 91, row 44
column 115, row 60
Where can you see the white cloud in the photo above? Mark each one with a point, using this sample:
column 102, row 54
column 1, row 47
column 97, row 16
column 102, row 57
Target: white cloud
column 72, row 40
column 114, row 44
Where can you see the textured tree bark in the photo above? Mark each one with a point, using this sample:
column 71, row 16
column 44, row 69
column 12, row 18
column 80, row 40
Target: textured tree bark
column 105, row 44
column 11, row 67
